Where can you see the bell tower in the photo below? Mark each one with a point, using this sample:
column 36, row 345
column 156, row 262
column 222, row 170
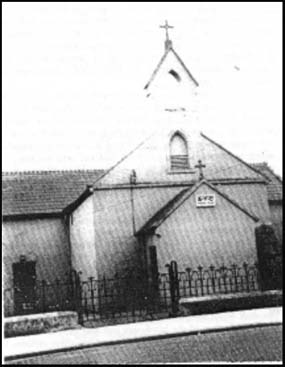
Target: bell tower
column 172, row 89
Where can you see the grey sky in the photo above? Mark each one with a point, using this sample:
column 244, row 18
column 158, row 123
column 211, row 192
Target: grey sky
column 73, row 78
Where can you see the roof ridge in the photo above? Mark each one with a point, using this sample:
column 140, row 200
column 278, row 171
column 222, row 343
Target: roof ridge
column 14, row 173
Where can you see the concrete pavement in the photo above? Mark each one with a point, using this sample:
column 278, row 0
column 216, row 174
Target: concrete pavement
column 253, row 344
column 82, row 338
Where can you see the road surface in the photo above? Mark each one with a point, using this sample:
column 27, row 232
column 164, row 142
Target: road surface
column 250, row 344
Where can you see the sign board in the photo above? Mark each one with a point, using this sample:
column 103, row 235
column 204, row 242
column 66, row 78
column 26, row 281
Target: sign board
column 205, row 200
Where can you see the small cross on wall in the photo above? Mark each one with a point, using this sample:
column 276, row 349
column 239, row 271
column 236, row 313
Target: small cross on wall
column 200, row 166
column 133, row 177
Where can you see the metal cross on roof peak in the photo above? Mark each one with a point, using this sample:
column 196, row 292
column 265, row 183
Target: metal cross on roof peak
column 200, row 166
column 166, row 26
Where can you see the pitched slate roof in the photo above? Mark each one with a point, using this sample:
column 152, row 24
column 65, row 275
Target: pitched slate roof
column 46, row 193
column 162, row 214
column 43, row 191
column 275, row 186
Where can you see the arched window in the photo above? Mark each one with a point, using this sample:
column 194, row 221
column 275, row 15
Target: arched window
column 179, row 159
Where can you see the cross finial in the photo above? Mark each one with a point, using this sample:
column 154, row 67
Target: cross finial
column 200, row 166
column 168, row 43
column 166, row 26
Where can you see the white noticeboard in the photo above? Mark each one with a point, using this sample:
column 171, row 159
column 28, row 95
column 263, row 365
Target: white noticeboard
column 205, row 200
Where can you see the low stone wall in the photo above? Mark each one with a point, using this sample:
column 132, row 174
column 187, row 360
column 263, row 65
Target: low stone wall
column 230, row 302
column 40, row 323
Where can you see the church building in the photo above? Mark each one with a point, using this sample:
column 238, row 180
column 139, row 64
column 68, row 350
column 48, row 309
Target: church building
column 179, row 195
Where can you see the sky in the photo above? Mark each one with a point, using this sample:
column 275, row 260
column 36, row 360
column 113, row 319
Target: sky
column 73, row 78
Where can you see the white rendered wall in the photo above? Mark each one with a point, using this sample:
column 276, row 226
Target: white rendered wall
column 82, row 239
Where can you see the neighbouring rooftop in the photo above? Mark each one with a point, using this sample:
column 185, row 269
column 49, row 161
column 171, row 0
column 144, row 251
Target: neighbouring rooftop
column 43, row 191
column 275, row 187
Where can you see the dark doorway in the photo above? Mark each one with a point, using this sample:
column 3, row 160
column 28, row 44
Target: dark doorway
column 153, row 268
column 24, row 276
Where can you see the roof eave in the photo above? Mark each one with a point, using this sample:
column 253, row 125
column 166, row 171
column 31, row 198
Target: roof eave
column 185, row 67
column 234, row 156
column 30, row 216
column 76, row 203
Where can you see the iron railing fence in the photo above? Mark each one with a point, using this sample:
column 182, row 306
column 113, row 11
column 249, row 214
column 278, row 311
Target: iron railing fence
column 129, row 297
column 213, row 280
column 124, row 297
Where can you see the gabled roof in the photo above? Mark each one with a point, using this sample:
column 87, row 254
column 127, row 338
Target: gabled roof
column 43, row 192
column 159, row 217
column 275, row 185
column 167, row 51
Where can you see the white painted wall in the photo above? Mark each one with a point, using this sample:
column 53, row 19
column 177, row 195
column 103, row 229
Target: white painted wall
column 42, row 240
column 82, row 239
column 217, row 235
column 151, row 160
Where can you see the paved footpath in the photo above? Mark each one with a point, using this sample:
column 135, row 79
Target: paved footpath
column 25, row 346
column 252, row 344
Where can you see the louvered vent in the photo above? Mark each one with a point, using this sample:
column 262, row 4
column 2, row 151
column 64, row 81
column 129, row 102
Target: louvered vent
column 179, row 162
